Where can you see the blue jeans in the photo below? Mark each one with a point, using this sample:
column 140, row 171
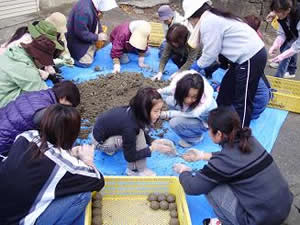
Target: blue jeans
column 65, row 211
column 288, row 64
column 189, row 129
column 261, row 99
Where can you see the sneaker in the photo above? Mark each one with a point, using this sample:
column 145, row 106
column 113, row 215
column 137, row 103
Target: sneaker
column 274, row 65
column 184, row 144
column 145, row 173
column 212, row 221
column 288, row 75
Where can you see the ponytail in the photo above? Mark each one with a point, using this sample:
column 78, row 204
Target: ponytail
column 227, row 121
column 244, row 134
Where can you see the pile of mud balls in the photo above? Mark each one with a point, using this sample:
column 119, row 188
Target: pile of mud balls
column 165, row 202
column 97, row 209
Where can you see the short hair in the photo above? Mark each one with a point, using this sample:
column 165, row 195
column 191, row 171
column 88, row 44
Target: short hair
column 253, row 21
column 281, row 5
column 192, row 80
column 69, row 90
column 177, row 33
column 60, row 126
column 142, row 103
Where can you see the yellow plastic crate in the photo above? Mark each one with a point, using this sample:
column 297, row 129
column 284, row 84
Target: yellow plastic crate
column 125, row 201
column 286, row 95
column 157, row 34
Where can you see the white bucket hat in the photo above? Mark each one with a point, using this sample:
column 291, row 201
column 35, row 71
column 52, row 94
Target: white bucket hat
column 104, row 5
column 59, row 21
column 191, row 6
column 140, row 35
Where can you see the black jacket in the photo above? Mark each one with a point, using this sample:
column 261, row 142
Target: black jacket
column 121, row 121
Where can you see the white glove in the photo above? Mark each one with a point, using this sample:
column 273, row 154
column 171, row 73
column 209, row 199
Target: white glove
column 50, row 69
column 158, row 76
column 141, row 62
column 85, row 153
column 180, row 168
column 164, row 149
column 102, row 36
column 193, row 155
column 117, row 68
column 166, row 142
column 44, row 75
column 164, row 115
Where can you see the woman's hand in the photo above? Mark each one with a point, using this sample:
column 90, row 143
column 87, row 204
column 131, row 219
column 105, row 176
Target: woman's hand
column 194, row 155
column 164, row 115
column 158, row 76
column 141, row 62
column 164, row 149
column 85, row 153
column 180, row 168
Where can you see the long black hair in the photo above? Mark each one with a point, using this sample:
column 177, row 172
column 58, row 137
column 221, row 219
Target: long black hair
column 215, row 11
column 142, row 103
column 226, row 120
column 183, row 86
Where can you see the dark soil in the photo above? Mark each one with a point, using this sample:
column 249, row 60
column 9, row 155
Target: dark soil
column 106, row 92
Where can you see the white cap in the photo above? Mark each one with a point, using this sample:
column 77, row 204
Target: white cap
column 191, row 6
column 104, row 5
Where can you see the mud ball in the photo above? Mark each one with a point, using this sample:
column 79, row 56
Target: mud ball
column 161, row 197
column 174, row 214
column 97, row 220
column 164, row 205
column 97, row 196
column 96, row 212
column 97, row 68
column 152, row 197
column 97, row 204
column 171, row 198
column 172, row 206
column 154, row 205
column 174, row 221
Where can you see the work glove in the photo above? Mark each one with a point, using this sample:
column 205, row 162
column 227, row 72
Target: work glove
column 166, row 142
column 141, row 62
column 286, row 54
column 44, row 74
column 193, row 155
column 102, row 37
column 180, row 168
column 164, row 149
column 117, row 68
column 158, row 76
column 164, row 115
column 85, row 153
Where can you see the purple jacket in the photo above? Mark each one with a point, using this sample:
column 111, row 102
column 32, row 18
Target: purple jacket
column 17, row 116
column 82, row 23
column 119, row 38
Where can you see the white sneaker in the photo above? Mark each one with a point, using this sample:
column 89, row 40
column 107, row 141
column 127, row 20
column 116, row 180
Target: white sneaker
column 274, row 65
column 145, row 173
column 288, row 75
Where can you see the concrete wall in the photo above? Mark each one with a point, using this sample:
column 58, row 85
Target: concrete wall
column 46, row 4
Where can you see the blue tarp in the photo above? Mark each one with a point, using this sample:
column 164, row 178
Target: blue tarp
column 265, row 128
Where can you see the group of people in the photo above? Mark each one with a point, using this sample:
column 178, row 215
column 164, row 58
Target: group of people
column 47, row 179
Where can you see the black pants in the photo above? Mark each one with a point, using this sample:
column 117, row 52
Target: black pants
column 239, row 85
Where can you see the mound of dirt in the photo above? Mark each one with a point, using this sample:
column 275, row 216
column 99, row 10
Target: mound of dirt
column 106, row 92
